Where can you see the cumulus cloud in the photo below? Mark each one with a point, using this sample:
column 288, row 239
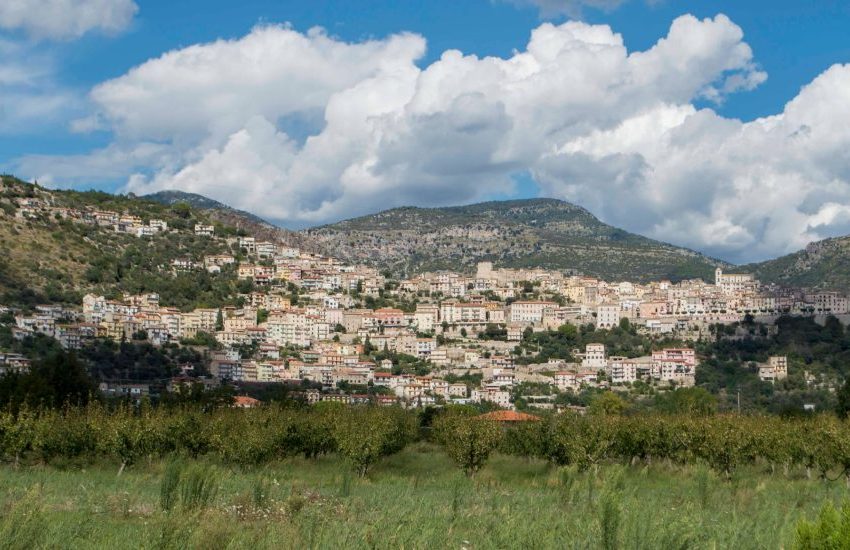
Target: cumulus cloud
column 64, row 19
column 613, row 130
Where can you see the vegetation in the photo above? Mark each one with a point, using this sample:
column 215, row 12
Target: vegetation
column 539, row 347
column 53, row 260
column 304, row 503
column 467, row 439
column 831, row 529
column 545, row 233
column 822, row 264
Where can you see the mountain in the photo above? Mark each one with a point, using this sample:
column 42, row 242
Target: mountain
column 822, row 264
column 227, row 215
column 546, row 233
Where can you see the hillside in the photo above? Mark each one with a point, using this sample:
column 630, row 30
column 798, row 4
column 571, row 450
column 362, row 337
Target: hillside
column 822, row 264
column 222, row 213
column 52, row 254
column 544, row 233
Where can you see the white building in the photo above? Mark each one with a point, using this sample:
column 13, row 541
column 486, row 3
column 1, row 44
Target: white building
column 594, row 357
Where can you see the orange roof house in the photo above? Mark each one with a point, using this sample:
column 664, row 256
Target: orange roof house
column 245, row 402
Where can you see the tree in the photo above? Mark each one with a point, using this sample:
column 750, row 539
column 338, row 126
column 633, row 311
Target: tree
column 182, row 209
column 364, row 434
column 468, row 440
column 219, row 321
column 608, row 404
column 54, row 381
column 842, row 408
column 690, row 401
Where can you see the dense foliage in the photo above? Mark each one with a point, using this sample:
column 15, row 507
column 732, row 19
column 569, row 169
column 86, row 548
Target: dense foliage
column 819, row 445
column 539, row 347
column 245, row 437
column 723, row 442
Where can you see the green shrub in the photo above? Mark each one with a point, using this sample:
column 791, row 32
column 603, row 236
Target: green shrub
column 468, row 440
column 830, row 531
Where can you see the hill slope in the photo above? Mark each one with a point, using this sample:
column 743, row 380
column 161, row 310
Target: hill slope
column 222, row 213
column 822, row 264
column 545, row 233
column 49, row 255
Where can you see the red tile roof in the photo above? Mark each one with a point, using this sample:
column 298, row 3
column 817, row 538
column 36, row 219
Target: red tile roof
column 245, row 401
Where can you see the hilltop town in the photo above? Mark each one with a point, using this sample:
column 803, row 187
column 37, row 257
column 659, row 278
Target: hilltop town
column 351, row 333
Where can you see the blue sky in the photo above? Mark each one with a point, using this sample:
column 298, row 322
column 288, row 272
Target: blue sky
column 792, row 43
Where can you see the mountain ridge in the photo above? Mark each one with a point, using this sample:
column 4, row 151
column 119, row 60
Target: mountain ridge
column 538, row 232
column 823, row 264
column 521, row 233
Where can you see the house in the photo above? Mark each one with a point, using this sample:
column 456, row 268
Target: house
column 594, row 357
column 204, row 230
column 266, row 249
column 565, row 381
column 457, row 390
column 775, row 369
column 135, row 391
column 158, row 225
column 245, row 402
column 608, row 316
column 529, row 311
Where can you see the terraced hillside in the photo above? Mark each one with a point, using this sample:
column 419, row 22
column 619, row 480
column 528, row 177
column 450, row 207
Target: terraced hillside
column 545, row 233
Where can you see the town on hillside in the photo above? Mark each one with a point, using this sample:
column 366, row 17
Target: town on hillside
column 350, row 333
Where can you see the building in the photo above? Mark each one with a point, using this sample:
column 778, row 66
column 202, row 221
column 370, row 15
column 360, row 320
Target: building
column 204, row 230
column 529, row 312
column 608, row 316
column 594, row 357
column 730, row 283
column 775, row 369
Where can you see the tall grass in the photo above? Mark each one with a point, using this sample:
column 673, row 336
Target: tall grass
column 414, row 499
column 169, row 485
column 198, row 487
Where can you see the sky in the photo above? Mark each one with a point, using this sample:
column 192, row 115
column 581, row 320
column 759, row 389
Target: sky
column 720, row 126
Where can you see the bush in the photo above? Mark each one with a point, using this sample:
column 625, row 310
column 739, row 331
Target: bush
column 468, row 439
column 364, row 434
column 831, row 529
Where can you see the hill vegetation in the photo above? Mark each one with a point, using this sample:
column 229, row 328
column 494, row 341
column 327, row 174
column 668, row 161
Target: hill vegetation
column 545, row 233
column 822, row 264
column 52, row 259
column 241, row 220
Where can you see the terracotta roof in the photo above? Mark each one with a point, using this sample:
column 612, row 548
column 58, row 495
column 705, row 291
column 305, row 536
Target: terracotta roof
column 245, row 401
column 509, row 416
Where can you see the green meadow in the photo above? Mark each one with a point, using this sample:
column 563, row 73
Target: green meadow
column 417, row 498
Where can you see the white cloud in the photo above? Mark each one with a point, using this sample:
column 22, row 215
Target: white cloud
column 613, row 130
column 64, row 19
column 29, row 98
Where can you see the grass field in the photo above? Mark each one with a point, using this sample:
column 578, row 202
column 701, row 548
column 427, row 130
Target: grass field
column 415, row 499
